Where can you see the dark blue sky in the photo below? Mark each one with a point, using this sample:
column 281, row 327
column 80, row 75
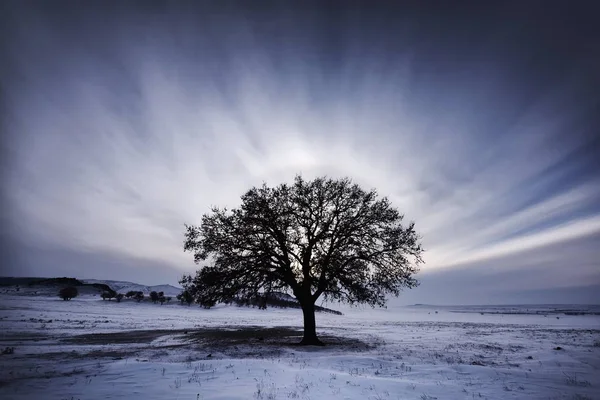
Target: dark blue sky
column 480, row 121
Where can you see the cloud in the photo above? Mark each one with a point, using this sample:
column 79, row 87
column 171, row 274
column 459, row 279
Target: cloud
column 120, row 138
column 551, row 274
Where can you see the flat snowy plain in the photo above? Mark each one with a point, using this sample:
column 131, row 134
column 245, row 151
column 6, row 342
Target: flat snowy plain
column 92, row 349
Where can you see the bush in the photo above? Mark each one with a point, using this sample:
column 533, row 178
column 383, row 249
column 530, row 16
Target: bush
column 68, row 293
column 108, row 295
column 154, row 296
column 139, row 296
column 162, row 299
column 130, row 294
column 119, row 297
column 185, row 297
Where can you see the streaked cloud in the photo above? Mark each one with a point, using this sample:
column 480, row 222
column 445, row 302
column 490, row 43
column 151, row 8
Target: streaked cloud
column 124, row 134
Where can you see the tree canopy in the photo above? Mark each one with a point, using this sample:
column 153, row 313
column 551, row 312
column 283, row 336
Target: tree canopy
column 68, row 293
column 322, row 238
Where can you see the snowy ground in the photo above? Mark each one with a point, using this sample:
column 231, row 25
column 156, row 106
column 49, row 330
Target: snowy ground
column 93, row 349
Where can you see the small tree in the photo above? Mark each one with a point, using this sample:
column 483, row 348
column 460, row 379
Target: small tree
column 108, row 294
column 139, row 296
column 130, row 294
column 68, row 293
column 119, row 297
column 186, row 296
column 154, row 297
column 316, row 238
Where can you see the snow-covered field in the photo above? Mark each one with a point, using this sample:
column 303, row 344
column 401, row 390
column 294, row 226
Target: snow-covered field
column 93, row 349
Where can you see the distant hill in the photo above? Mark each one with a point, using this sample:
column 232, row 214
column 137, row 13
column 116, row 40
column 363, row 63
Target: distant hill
column 124, row 287
column 280, row 300
column 85, row 286
column 50, row 286
column 282, row 296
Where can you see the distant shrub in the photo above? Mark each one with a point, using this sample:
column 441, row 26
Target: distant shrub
column 162, row 299
column 139, row 296
column 168, row 299
column 119, row 297
column 185, row 297
column 130, row 294
column 154, row 296
column 68, row 293
column 108, row 295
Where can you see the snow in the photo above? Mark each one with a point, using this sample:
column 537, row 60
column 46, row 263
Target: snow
column 88, row 348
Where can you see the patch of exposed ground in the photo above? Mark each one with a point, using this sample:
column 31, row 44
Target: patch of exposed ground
column 238, row 341
column 255, row 341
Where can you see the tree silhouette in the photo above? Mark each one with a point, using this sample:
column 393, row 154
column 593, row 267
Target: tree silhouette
column 68, row 293
column 108, row 295
column 154, row 296
column 316, row 238
column 186, row 296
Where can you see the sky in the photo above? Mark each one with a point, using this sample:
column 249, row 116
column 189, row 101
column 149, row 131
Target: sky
column 123, row 121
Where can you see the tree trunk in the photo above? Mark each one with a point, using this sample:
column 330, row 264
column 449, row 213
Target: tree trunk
column 310, row 326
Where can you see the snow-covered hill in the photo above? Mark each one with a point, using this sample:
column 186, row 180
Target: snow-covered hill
column 124, row 287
